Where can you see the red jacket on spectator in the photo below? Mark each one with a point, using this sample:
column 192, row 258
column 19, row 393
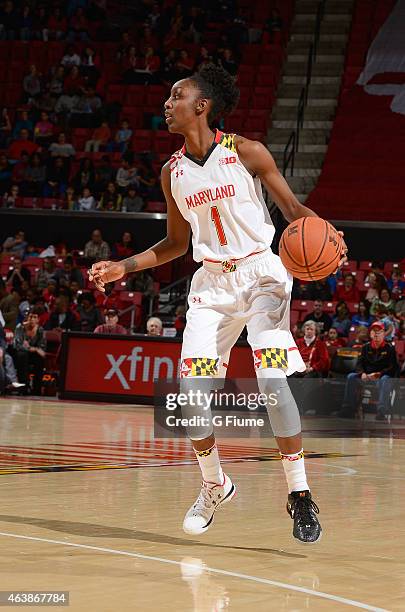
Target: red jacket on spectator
column 351, row 295
column 316, row 354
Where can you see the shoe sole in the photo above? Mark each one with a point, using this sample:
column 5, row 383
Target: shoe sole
column 226, row 499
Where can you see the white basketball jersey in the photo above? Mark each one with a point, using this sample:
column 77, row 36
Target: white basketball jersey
column 222, row 202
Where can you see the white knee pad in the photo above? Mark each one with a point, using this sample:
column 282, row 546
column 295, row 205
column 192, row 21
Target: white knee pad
column 281, row 406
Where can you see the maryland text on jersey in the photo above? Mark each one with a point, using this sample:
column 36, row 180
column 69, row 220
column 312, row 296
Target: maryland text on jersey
column 210, row 195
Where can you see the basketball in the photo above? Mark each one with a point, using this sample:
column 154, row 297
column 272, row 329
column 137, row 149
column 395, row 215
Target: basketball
column 310, row 248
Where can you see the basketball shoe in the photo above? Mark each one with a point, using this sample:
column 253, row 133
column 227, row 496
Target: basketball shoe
column 303, row 511
column 200, row 516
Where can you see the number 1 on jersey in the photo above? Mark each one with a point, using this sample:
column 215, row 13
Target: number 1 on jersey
column 216, row 218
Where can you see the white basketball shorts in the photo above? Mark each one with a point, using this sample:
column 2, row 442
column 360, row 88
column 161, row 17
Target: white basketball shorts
column 226, row 296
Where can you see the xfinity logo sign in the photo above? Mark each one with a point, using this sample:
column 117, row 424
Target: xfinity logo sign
column 135, row 366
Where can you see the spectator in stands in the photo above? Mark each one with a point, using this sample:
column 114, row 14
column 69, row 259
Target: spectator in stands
column 89, row 315
column 127, row 175
column 78, row 26
column 332, row 339
column 5, row 174
column 56, row 83
column 57, row 179
column 376, row 282
column 8, row 374
column 5, row 128
column 360, row 339
column 104, row 174
column 386, row 318
column 74, row 82
column 22, row 144
column 57, row 24
column 61, row 148
column 149, row 185
column 70, row 199
column 313, row 352
column 125, row 247
column 90, row 65
column 184, row 65
column 23, row 123
column 47, row 272
column 100, row 138
column 321, row 318
column 62, row 318
column 401, row 330
column 111, row 325
column 35, row 176
column 362, row 317
column 228, row 61
column 68, row 273
column 111, row 199
column 322, row 289
column 26, row 23
column 40, row 25
column 71, row 58
column 96, row 249
column 8, row 21
column 32, row 84
column 43, row 131
column 18, row 274
column 9, row 303
column 10, row 200
column 378, row 362
column 348, row 292
column 180, row 320
column 132, row 201
column 154, row 327
column 341, row 320
column 86, row 201
column 122, row 138
column 384, row 299
column 85, row 176
column 30, row 347
column 15, row 245
column 396, row 285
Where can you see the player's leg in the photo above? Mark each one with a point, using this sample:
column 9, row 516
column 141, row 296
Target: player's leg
column 276, row 356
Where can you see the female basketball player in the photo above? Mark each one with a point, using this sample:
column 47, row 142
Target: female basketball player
column 213, row 185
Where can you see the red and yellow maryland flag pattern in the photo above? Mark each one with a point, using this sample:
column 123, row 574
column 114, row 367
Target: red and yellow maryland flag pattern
column 228, row 141
column 271, row 358
column 199, row 366
column 299, row 455
column 228, row 266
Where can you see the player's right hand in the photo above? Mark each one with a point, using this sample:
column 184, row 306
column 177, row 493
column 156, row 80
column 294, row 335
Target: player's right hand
column 104, row 272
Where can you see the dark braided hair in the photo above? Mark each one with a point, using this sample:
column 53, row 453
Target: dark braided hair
column 216, row 84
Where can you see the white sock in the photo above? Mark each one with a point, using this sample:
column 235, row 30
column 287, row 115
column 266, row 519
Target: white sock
column 294, row 469
column 210, row 465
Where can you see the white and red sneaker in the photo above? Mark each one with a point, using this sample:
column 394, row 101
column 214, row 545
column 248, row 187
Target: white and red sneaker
column 200, row 516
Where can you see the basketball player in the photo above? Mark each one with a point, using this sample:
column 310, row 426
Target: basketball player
column 213, row 185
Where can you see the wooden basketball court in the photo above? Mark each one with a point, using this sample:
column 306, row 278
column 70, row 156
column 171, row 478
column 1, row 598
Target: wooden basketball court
column 91, row 504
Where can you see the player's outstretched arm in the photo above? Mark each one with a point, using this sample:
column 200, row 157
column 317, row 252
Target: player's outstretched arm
column 172, row 246
column 257, row 158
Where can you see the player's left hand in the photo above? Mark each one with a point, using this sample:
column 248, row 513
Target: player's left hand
column 343, row 252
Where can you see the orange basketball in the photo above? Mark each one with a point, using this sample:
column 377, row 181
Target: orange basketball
column 310, row 248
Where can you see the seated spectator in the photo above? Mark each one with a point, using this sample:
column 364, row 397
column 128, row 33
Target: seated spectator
column 180, row 320
column 5, row 174
column 360, row 339
column 74, row 82
column 132, row 201
column 389, row 321
column 111, row 198
column 348, row 292
column 313, row 352
column 61, row 148
column 89, row 315
column 57, row 179
column 322, row 289
column 57, row 24
column 47, row 272
column 124, row 248
column 71, row 58
column 376, row 282
column 22, row 144
column 401, row 330
column 35, row 176
column 49, row 293
column 5, row 128
column 61, row 317
column 85, row 176
column 362, row 317
column 321, row 318
column 384, row 299
column 228, row 61
column 341, row 319
column 8, row 374
column 78, row 26
column 19, row 171
column 100, row 138
column 9, row 303
column 18, row 274
column 127, row 175
column 154, row 327
column 90, row 65
column 10, row 199
column 43, row 131
column 30, row 347
column 332, row 339
column 104, row 173
column 86, row 201
column 15, row 245
column 70, row 200
column 40, row 24
column 396, row 285
column 184, row 65
column 69, row 273
column 96, row 249
column 111, row 325
column 56, row 83
column 377, row 362
column 122, row 138
column 26, row 23
column 32, row 84
column 149, row 185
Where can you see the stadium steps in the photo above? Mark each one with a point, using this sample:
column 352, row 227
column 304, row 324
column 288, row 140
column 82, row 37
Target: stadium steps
column 323, row 92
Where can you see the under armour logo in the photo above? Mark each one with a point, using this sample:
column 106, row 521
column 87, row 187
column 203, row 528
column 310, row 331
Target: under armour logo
column 196, row 300
column 178, row 172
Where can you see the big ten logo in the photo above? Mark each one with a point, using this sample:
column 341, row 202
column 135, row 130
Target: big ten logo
column 141, row 368
column 227, row 160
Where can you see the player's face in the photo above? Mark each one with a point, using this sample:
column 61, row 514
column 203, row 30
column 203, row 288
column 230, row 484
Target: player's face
column 180, row 107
